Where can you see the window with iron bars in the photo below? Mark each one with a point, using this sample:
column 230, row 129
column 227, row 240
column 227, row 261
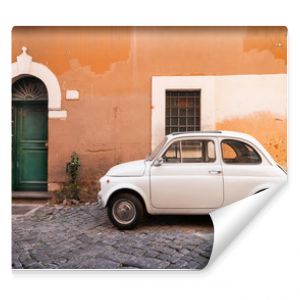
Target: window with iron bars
column 182, row 110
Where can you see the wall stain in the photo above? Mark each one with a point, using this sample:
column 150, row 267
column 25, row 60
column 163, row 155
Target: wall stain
column 270, row 39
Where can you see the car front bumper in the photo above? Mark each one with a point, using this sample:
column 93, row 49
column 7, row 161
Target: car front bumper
column 99, row 199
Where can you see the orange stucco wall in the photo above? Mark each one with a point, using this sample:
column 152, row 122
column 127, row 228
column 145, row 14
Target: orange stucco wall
column 112, row 69
column 269, row 129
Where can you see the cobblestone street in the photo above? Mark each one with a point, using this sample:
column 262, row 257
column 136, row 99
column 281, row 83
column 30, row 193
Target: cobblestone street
column 82, row 237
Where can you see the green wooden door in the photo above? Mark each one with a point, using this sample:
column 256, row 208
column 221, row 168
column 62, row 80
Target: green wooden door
column 30, row 138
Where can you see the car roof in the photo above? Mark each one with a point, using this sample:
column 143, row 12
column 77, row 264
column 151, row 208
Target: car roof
column 221, row 133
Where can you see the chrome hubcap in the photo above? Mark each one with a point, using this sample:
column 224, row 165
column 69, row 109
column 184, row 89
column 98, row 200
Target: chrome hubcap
column 124, row 211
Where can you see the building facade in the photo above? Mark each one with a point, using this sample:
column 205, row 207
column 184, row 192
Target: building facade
column 112, row 93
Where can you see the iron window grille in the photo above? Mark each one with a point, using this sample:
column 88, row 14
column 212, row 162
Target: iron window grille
column 182, row 110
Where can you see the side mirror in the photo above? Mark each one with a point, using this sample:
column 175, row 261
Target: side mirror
column 158, row 162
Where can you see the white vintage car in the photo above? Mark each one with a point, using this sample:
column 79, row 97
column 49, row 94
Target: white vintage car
column 188, row 173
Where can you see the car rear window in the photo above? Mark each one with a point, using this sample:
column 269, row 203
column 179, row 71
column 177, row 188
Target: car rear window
column 238, row 152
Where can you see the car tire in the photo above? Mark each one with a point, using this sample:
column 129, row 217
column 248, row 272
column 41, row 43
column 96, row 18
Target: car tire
column 125, row 210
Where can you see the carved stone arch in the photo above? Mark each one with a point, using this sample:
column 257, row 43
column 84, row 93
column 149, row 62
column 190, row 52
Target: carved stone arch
column 25, row 66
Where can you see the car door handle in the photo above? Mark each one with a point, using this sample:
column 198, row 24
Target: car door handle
column 213, row 172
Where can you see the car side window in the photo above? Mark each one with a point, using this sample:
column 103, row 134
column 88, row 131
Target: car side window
column 190, row 151
column 237, row 152
column 197, row 151
column 211, row 152
column 172, row 155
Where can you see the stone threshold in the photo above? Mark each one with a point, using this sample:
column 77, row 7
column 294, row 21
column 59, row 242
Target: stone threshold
column 31, row 195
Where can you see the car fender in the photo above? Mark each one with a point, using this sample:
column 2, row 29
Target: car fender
column 127, row 186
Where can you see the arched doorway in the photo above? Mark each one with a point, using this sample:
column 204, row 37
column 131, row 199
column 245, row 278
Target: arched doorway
column 29, row 134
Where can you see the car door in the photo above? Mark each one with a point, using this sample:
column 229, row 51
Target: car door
column 189, row 177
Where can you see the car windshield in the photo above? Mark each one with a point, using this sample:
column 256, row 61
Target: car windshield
column 156, row 150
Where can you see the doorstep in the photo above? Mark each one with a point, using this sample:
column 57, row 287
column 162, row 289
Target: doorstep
column 31, row 195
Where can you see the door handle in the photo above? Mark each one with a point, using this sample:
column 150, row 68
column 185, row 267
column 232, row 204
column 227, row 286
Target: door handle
column 214, row 172
column 46, row 145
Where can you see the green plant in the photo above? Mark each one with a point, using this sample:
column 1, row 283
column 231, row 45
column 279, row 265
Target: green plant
column 71, row 189
column 72, row 168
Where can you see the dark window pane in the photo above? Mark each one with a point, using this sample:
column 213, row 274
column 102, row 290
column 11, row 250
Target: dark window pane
column 174, row 112
column 190, row 103
column 190, row 112
column 182, row 121
column 190, row 121
column 182, row 112
column 237, row 152
column 174, row 121
column 174, row 103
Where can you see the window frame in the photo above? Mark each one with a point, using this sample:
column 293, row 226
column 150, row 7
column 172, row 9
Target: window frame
column 197, row 112
column 208, row 139
column 247, row 143
column 167, row 149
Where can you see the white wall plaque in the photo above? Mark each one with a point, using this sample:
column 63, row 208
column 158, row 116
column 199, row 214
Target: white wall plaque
column 72, row 95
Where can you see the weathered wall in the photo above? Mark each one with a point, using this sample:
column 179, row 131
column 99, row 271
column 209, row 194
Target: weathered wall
column 230, row 97
column 112, row 68
column 257, row 105
column 268, row 128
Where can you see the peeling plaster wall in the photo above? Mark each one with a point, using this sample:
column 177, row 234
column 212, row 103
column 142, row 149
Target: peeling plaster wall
column 257, row 105
column 112, row 67
column 227, row 102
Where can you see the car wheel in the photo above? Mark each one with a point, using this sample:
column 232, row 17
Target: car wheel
column 125, row 210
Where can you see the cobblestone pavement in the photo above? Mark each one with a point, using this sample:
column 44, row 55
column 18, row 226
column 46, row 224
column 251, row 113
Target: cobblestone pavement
column 82, row 237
